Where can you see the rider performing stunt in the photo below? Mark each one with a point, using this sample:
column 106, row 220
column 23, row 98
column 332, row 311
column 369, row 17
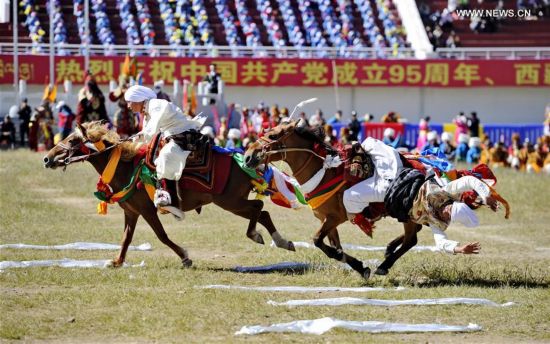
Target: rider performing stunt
column 408, row 194
column 163, row 116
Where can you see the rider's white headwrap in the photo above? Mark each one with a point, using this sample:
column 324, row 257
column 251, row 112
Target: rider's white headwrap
column 461, row 213
column 138, row 94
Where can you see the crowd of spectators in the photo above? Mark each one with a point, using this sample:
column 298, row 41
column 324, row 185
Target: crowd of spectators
column 32, row 23
column 128, row 22
column 242, row 125
column 281, row 23
column 60, row 29
column 230, row 24
column 102, row 23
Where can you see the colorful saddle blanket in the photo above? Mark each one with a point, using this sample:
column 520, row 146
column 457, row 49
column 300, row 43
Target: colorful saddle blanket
column 205, row 170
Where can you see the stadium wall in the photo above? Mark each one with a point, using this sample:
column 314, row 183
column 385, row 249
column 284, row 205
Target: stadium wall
column 493, row 105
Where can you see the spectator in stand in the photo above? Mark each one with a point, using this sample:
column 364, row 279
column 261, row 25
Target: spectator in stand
column 91, row 103
column 447, row 146
column 234, row 139
column 234, row 117
column 536, row 158
column 474, row 152
column 432, row 141
column 337, row 118
column 212, row 79
column 368, row 118
column 7, row 132
column 274, row 116
column 498, row 155
column 423, row 130
column 284, row 114
column 354, row 127
column 390, row 117
column 303, row 117
column 317, row 120
column 513, row 152
column 24, row 113
column 391, row 139
column 330, row 138
column 453, row 41
column 461, row 123
column 462, row 149
column 473, row 125
column 65, row 119
column 345, row 136
column 245, row 122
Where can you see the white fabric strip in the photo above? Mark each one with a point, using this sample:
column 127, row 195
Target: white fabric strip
column 83, row 246
column 320, row 326
column 296, row 289
column 340, row 301
column 365, row 248
column 331, row 161
column 64, row 263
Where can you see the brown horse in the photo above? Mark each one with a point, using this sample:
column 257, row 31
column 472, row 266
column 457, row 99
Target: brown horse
column 79, row 146
column 294, row 143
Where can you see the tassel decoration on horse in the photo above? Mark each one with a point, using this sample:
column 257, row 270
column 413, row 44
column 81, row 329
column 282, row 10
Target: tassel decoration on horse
column 102, row 208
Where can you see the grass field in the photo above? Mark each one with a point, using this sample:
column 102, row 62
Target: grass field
column 158, row 302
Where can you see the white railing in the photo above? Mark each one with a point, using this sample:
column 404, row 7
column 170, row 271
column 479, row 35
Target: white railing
column 214, row 51
column 537, row 53
column 511, row 53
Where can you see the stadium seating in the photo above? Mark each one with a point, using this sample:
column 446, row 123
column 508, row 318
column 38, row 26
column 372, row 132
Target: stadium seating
column 509, row 32
column 257, row 23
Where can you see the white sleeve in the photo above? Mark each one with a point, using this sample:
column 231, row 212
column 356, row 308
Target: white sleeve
column 467, row 183
column 152, row 126
column 441, row 242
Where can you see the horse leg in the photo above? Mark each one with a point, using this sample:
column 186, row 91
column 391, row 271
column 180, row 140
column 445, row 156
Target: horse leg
column 130, row 220
column 392, row 246
column 249, row 209
column 329, row 226
column 265, row 220
column 150, row 215
column 409, row 240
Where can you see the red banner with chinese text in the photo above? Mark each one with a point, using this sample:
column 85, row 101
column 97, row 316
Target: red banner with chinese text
column 293, row 72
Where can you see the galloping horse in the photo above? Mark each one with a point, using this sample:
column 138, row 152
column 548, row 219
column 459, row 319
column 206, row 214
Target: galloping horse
column 295, row 144
column 94, row 143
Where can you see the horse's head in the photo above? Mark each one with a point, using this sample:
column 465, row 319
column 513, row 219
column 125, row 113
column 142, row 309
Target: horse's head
column 78, row 144
column 276, row 143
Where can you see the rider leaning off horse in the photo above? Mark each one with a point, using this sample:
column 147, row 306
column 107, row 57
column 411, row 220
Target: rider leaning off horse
column 410, row 195
column 163, row 116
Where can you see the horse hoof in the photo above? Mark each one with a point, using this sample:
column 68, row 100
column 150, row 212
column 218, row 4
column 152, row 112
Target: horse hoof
column 366, row 273
column 187, row 263
column 381, row 272
column 291, row 247
column 257, row 238
column 114, row 264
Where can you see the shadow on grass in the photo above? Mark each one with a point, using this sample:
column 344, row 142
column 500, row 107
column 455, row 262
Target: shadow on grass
column 288, row 268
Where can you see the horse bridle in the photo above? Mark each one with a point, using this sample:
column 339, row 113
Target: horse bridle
column 268, row 149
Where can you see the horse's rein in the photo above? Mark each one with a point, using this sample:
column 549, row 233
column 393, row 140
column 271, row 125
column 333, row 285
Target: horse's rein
column 268, row 143
column 70, row 159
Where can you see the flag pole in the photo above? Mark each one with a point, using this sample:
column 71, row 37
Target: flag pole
column 15, row 51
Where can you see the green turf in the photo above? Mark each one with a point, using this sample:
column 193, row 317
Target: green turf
column 158, row 303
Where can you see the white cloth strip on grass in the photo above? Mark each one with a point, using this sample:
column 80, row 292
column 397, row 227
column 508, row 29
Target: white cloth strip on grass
column 320, row 326
column 64, row 263
column 84, row 246
column 304, row 244
column 340, row 301
column 296, row 289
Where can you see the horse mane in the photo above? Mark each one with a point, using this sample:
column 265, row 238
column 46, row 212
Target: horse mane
column 97, row 131
column 316, row 134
